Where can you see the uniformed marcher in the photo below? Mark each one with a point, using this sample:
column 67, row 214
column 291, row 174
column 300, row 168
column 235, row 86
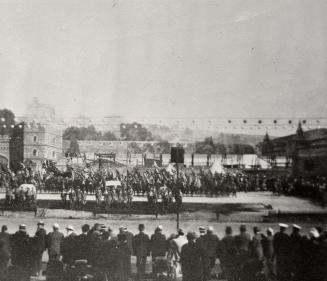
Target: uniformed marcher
column 69, row 247
column 54, row 240
column 191, row 259
column 141, row 249
column 282, row 249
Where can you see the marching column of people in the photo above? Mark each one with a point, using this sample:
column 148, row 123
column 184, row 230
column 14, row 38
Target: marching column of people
column 242, row 257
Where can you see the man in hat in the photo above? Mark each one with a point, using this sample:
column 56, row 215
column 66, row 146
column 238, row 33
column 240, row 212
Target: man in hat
column 296, row 241
column 269, row 253
column 256, row 244
column 228, row 255
column 202, row 243
column 68, row 246
column 20, row 254
column 123, row 257
column 212, row 242
column 54, row 240
column 177, row 244
column 158, row 246
column 39, row 246
column 82, row 243
column 282, row 249
column 129, row 239
column 95, row 242
column 141, row 249
column 191, row 259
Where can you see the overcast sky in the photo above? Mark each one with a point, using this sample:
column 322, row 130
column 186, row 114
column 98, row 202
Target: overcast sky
column 228, row 58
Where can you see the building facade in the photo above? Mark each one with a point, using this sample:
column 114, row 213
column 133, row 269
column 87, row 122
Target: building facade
column 306, row 151
column 42, row 143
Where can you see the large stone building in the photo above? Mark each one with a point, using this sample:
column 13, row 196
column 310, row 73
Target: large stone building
column 31, row 143
column 306, row 151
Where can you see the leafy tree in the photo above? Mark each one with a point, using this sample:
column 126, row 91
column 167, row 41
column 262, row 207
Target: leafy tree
column 135, row 132
column 109, row 136
column 73, row 147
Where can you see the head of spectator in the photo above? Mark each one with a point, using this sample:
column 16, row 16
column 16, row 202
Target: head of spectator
column 243, row 228
column 270, row 231
column 4, row 229
column 228, row 230
column 22, row 228
column 141, row 227
column 40, row 224
column 283, row 227
column 210, row 229
column 122, row 230
column 180, row 232
column 191, row 237
column 70, row 229
column 296, row 228
column 314, row 233
column 85, row 228
column 202, row 231
column 158, row 229
column 256, row 230
column 55, row 227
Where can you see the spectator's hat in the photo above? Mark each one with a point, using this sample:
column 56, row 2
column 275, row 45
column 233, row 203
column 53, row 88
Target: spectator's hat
column 70, row 227
column 296, row 226
column 269, row 229
column 202, row 229
column 40, row 223
column 159, row 227
column 55, row 226
column 180, row 231
column 210, row 228
column 314, row 233
column 283, row 225
column 22, row 227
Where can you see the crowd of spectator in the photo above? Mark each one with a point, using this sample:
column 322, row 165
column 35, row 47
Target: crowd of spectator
column 261, row 255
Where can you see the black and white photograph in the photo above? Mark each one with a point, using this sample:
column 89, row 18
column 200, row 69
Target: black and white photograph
column 163, row 140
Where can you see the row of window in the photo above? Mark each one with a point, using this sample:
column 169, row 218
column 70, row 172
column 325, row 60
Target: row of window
column 54, row 140
column 36, row 153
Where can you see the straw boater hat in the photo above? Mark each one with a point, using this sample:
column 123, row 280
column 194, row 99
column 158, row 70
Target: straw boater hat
column 70, row 227
column 296, row 226
column 22, row 227
column 283, row 225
